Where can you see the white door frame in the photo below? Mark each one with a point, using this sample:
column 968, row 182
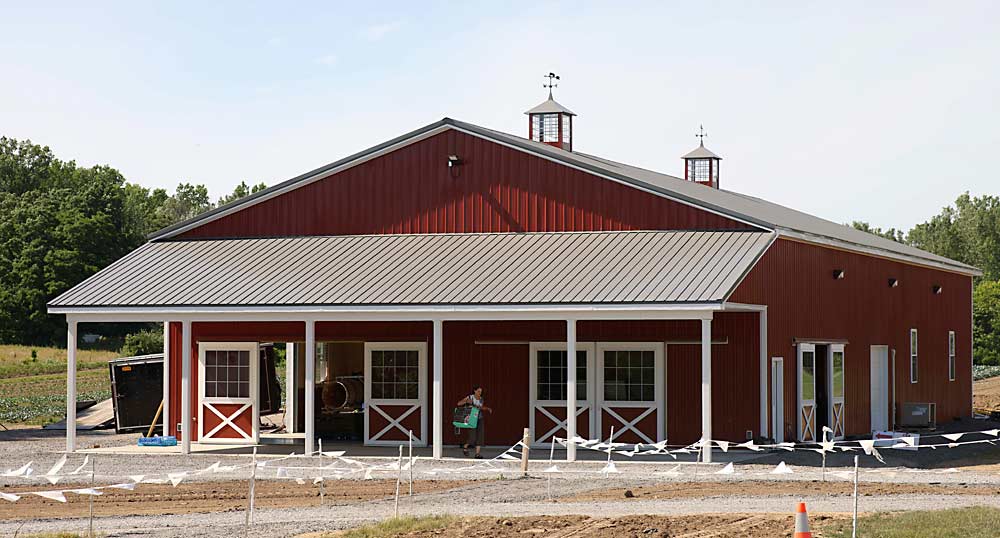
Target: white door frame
column 837, row 408
column 658, row 405
column 778, row 399
column 544, row 439
column 805, row 410
column 879, row 387
column 253, row 402
column 418, row 405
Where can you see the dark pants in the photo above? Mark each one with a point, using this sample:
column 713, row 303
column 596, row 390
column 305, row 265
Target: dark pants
column 476, row 435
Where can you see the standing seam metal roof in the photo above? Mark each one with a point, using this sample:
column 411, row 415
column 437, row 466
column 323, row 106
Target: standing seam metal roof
column 428, row 269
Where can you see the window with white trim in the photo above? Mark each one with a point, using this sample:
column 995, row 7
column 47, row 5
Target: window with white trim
column 951, row 355
column 395, row 374
column 551, row 375
column 227, row 374
column 913, row 356
column 630, row 376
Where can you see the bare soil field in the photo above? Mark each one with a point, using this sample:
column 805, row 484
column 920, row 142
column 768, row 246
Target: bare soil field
column 693, row 526
column 696, row 490
column 207, row 497
column 986, row 393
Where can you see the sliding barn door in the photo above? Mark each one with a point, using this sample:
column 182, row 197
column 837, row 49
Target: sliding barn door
column 837, row 373
column 547, row 391
column 807, row 392
column 631, row 397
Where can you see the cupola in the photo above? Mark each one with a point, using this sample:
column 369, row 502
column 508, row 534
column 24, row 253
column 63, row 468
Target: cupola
column 550, row 122
column 701, row 165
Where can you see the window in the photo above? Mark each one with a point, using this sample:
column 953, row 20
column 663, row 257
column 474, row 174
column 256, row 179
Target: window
column 630, row 376
column 566, row 123
column 536, row 127
column 951, row 355
column 913, row 356
column 550, row 128
column 551, row 369
column 808, row 375
column 698, row 170
column 838, row 374
column 227, row 374
column 395, row 375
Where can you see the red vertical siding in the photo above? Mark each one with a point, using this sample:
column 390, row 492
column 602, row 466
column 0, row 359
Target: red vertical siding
column 796, row 281
column 496, row 189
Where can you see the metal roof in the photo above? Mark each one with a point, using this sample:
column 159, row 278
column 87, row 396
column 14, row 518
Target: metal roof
column 550, row 106
column 766, row 215
column 701, row 152
column 428, row 269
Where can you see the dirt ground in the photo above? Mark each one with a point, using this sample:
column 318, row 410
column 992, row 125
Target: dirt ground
column 986, row 394
column 690, row 490
column 694, row 526
column 205, row 497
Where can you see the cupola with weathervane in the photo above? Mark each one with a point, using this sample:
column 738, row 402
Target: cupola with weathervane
column 701, row 165
column 550, row 122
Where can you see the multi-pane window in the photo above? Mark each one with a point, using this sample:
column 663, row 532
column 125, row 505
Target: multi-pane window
column 808, row 375
column 838, row 374
column 536, row 127
column 395, row 375
column 698, row 169
column 551, row 370
column 913, row 356
column 567, row 122
column 227, row 374
column 951, row 355
column 550, row 128
column 629, row 376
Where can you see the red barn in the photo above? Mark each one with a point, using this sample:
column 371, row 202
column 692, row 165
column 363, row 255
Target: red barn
column 564, row 283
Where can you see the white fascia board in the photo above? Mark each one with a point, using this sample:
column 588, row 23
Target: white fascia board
column 393, row 313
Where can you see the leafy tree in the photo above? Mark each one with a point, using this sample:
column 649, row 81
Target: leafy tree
column 241, row 190
column 188, row 201
column 891, row 233
column 144, row 342
column 968, row 232
column 986, row 322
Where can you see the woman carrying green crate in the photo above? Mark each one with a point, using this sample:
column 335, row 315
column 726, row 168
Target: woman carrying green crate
column 475, row 437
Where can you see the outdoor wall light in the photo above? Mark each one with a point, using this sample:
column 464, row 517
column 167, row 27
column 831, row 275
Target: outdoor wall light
column 893, row 283
column 936, row 289
column 453, row 161
column 838, row 274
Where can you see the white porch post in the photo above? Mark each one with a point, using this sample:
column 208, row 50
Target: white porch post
column 70, row 385
column 186, row 428
column 438, row 389
column 290, row 391
column 310, row 386
column 763, row 374
column 571, row 389
column 706, row 390
column 166, row 379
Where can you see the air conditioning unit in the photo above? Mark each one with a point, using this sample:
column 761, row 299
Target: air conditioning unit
column 918, row 415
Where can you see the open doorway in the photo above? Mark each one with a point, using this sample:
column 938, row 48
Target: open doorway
column 822, row 389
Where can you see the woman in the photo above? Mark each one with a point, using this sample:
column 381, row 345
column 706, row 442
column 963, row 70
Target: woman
column 475, row 435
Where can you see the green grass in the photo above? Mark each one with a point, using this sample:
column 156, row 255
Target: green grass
column 398, row 526
column 975, row 522
column 33, row 389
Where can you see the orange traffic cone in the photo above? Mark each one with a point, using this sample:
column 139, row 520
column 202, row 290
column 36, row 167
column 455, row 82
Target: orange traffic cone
column 802, row 522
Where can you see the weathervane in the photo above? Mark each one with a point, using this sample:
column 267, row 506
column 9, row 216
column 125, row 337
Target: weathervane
column 701, row 135
column 552, row 78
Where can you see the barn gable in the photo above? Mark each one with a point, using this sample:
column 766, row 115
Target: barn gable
column 495, row 188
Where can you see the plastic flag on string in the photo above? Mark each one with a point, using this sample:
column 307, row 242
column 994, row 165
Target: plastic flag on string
column 137, row 478
column 82, row 466
column 952, row 436
column 786, row 446
column 610, row 468
column 57, row 466
column 52, row 495
column 750, row 445
column 782, row 469
column 25, row 470
column 87, row 491
column 52, row 479
column 868, row 445
column 317, row 480
column 553, row 469
column 674, row 471
column 724, row 445
column 728, row 469
column 128, row 486
column 10, row 497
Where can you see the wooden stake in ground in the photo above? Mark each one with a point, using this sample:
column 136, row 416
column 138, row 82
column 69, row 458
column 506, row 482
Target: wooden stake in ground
column 322, row 483
column 250, row 493
column 525, row 448
column 411, row 462
column 399, row 478
column 552, row 454
column 93, row 465
column 854, row 525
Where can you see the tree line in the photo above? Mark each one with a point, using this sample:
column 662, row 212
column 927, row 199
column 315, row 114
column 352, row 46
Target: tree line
column 61, row 223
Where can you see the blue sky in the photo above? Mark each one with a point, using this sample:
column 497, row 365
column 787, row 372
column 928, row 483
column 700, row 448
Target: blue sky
column 840, row 109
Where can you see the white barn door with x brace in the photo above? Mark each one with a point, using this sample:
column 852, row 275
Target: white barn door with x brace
column 547, row 392
column 806, row 396
column 228, row 411
column 630, row 391
column 395, row 393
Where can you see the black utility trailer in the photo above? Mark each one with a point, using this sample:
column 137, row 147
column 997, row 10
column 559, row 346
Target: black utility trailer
column 136, row 391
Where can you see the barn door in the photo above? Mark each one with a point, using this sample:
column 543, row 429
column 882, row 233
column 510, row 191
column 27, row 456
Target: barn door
column 836, row 375
column 228, row 411
column 547, row 391
column 807, row 392
column 631, row 396
column 395, row 393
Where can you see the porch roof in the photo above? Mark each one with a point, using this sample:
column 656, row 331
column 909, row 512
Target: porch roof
column 558, row 268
